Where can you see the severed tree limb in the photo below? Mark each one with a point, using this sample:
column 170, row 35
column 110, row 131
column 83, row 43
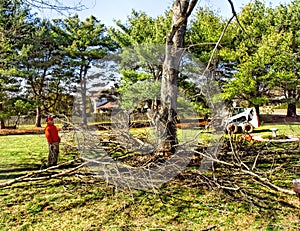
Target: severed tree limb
column 263, row 180
column 63, row 173
column 30, row 176
column 267, row 182
column 225, row 187
column 255, row 162
column 234, row 15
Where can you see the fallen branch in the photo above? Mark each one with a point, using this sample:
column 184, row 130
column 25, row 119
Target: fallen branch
column 267, row 182
column 263, row 180
column 29, row 176
column 63, row 173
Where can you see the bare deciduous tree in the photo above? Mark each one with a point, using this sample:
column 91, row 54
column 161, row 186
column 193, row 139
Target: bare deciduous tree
column 182, row 9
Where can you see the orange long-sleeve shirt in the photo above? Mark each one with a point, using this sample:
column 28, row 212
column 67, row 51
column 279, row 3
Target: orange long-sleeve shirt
column 51, row 133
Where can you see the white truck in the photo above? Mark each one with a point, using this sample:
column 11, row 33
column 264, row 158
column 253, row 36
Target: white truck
column 242, row 119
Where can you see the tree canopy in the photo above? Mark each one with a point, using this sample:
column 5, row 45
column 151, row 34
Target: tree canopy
column 256, row 62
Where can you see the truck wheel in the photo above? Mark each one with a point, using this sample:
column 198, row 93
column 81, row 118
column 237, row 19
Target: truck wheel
column 248, row 128
column 232, row 128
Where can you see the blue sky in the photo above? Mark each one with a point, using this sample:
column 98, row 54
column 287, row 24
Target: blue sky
column 108, row 10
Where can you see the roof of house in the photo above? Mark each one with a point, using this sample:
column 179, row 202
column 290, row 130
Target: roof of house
column 108, row 105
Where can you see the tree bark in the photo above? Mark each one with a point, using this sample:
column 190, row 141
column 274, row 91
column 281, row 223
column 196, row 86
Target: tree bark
column 292, row 107
column 2, row 124
column 38, row 117
column 166, row 122
column 291, row 110
column 84, row 103
column 292, row 93
column 84, row 89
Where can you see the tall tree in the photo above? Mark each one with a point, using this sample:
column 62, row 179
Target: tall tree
column 181, row 10
column 251, row 70
column 285, row 69
column 144, row 36
column 13, row 28
column 265, row 56
column 87, row 42
column 41, row 66
column 203, row 34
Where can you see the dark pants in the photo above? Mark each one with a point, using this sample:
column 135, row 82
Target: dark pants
column 53, row 154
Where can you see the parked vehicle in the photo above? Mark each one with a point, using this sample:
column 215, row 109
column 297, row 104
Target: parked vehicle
column 242, row 119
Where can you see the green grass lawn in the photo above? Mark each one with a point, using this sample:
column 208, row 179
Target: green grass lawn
column 22, row 153
column 283, row 128
column 19, row 149
column 78, row 202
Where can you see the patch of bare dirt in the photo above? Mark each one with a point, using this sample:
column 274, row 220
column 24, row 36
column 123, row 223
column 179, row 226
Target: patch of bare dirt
column 25, row 131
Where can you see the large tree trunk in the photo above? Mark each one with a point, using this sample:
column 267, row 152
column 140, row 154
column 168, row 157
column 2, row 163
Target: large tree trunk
column 38, row 117
column 166, row 123
column 292, row 93
column 84, row 89
column 2, row 124
column 84, row 103
column 292, row 108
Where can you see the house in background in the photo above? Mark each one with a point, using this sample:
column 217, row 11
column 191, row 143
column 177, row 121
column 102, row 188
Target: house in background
column 103, row 102
column 105, row 106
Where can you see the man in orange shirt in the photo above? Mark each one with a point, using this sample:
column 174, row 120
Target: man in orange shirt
column 53, row 139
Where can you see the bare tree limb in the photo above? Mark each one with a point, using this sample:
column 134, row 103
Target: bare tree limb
column 30, row 176
column 263, row 180
column 217, row 45
column 57, row 5
column 267, row 182
column 184, row 16
column 191, row 7
column 235, row 15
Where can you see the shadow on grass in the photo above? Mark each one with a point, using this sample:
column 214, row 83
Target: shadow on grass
column 12, row 172
column 22, row 168
column 8, row 172
column 262, row 131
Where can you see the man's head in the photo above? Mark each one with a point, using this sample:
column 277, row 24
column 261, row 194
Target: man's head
column 49, row 120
